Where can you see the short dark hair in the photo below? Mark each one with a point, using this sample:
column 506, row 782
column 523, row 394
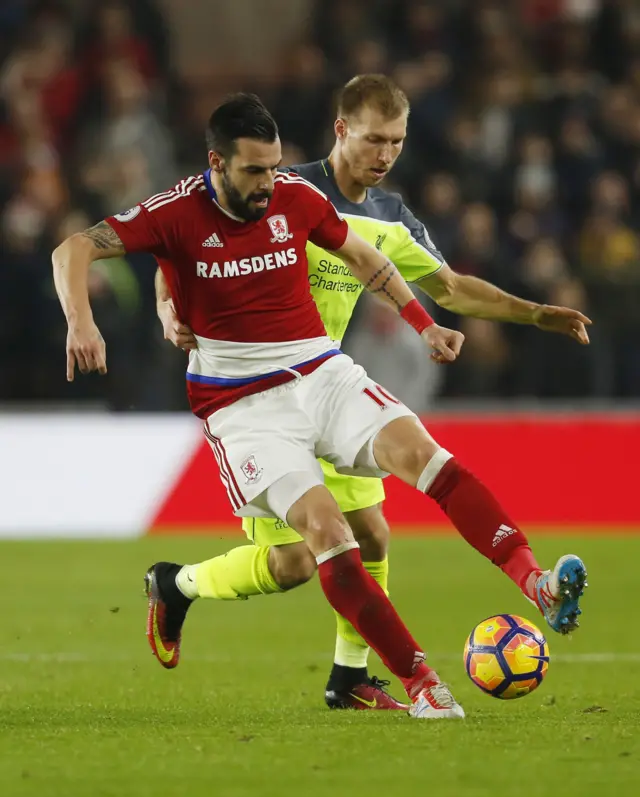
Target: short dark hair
column 239, row 116
column 375, row 91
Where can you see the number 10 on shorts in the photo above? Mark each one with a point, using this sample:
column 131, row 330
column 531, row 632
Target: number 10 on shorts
column 380, row 396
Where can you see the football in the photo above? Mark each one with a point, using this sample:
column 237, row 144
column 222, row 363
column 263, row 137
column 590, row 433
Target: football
column 506, row 656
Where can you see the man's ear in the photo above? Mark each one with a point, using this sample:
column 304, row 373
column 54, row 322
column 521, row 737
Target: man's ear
column 340, row 127
column 216, row 161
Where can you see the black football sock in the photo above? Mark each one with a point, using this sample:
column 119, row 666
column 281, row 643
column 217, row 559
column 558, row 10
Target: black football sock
column 342, row 678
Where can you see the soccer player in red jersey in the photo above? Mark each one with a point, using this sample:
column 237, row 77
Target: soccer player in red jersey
column 271, row 388
column 370, row 133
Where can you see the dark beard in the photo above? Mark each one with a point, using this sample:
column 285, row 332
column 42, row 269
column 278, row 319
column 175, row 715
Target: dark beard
column 240, row 206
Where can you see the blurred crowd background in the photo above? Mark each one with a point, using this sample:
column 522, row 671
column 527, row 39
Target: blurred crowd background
column 523, row 160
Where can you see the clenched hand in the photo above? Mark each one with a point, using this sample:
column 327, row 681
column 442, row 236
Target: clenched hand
column 86, row 349
column 179, row 334
column 446, row 343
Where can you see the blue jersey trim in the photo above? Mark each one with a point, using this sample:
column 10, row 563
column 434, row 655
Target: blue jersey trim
column 221, row 381
column 206, row 176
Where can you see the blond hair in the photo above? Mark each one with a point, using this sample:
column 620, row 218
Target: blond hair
column 373, row 91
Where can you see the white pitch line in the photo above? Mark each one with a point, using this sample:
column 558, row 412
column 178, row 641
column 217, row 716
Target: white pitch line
column 77, row 657
column 595, row 658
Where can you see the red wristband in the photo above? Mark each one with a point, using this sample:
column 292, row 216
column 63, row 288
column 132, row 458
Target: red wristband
column 415, row 315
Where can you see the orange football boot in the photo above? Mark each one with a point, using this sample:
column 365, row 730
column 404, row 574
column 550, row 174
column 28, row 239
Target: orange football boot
column 167, row 612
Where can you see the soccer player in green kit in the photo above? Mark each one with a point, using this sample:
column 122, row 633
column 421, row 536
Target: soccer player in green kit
column 370, row 132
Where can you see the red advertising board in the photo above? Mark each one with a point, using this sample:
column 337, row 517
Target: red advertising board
column 565, row 469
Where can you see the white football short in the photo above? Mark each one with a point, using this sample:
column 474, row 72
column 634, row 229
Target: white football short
column 267, row 444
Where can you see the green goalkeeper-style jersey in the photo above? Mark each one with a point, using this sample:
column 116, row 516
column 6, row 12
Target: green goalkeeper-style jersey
column 385, row 222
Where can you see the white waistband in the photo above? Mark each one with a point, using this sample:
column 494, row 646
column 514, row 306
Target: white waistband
column 224, row 358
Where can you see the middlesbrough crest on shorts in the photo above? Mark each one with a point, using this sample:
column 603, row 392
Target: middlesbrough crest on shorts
column 279, row 228
column 251, row 470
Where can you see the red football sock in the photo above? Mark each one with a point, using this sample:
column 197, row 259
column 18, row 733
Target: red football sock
column 483, row 523
column 522, row 568
column 357, row 597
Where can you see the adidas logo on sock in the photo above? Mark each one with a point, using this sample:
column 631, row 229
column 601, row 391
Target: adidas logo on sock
column 502, row 534
column 213, row 240
column 418, row 658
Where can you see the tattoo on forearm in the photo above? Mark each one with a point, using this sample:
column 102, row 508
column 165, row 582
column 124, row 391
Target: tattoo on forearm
column 104, row 236
column 379, row 281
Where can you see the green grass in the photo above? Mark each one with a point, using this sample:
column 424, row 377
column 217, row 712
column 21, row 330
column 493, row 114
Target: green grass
column 86, row 710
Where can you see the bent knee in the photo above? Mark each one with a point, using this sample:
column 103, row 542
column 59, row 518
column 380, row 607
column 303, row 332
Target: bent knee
column 327, row 530
column 404, row 448
column 317, row 518
column 292, row 565
column 417, row 456
column 371, row 530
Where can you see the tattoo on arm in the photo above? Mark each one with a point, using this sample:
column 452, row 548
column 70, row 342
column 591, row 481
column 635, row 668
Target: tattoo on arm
column 379, row 281
column 105, row 237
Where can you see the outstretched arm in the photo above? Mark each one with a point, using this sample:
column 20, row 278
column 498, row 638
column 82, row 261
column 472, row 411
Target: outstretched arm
column 466, row 295
column 71, row 261
column 379, row 276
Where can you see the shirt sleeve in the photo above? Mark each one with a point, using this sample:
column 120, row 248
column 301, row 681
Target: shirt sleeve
column 142, row 231
column 414, row 254
column 326, row 228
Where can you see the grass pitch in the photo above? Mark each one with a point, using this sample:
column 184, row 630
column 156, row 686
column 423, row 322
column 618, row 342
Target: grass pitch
column 86, row 711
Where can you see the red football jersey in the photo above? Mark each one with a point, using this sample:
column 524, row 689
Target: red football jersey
column 235, row 281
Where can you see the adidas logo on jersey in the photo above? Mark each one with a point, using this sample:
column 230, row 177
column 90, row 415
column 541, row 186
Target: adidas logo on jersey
column 502, row 534
column 213, row 240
